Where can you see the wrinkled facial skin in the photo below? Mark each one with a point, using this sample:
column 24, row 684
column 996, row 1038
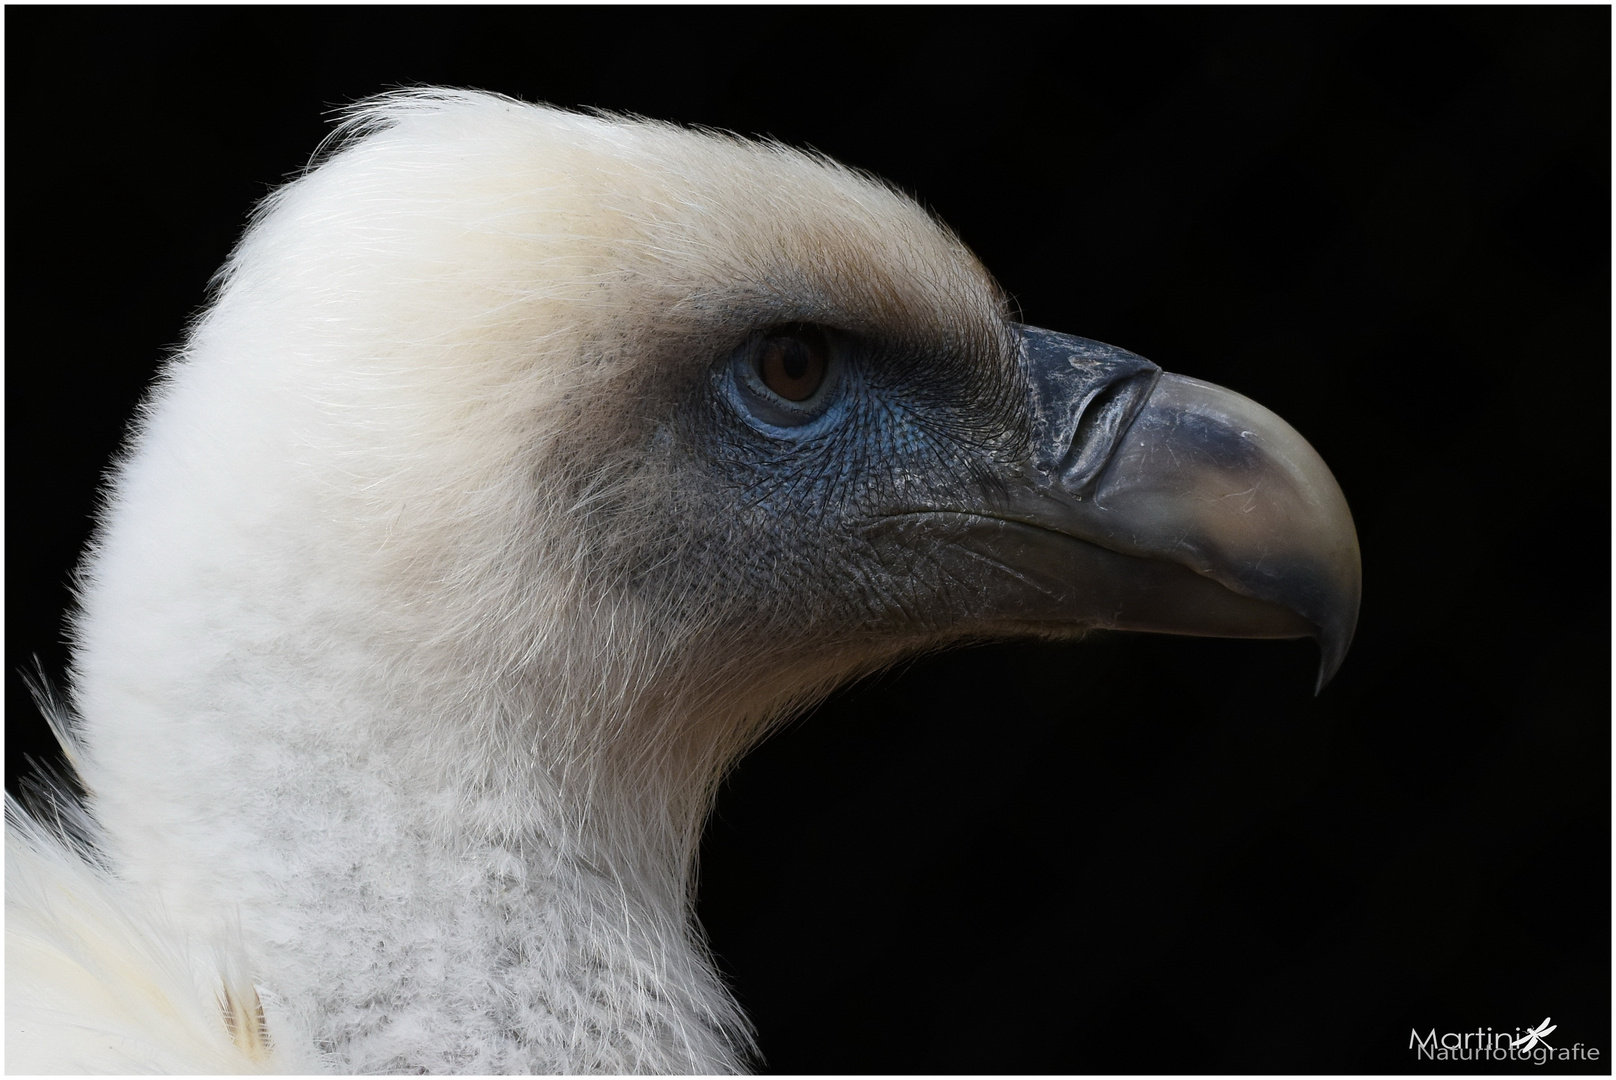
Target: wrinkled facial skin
column 1044, row 485
column 779, row 516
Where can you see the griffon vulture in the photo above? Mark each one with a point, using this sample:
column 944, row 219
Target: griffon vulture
column 525, row 467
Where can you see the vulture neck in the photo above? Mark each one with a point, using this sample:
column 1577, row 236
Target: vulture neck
column 454, row 871
column 548, row 875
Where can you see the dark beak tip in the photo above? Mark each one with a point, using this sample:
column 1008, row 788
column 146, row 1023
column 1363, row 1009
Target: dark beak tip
column 1331, row 657
column 1334, row 640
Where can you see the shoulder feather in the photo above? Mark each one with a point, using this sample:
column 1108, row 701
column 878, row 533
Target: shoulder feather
column 99, row 981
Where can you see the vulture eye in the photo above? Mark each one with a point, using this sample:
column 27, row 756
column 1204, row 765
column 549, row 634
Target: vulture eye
column 788, row 376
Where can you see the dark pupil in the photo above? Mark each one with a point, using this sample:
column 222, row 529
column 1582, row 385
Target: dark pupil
column 795, row 360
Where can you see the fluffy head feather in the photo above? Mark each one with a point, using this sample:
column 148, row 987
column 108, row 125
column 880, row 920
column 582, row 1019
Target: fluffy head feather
column 412, row 638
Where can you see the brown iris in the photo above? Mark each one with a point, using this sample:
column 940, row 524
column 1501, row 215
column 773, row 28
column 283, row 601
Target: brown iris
column 793, row 364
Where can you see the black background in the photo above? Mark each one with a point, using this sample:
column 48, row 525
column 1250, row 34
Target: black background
column 1130, row 854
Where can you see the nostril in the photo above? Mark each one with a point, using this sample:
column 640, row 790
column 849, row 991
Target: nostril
column 1105, row 418
column 1084, row 395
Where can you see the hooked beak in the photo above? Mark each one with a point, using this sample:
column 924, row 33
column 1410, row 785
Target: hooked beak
column 1154, row 502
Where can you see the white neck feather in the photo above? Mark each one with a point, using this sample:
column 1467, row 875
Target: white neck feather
column 358, row 665
column 426, row 878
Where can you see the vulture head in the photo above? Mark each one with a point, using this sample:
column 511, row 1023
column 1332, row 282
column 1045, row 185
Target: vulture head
column 524, row 467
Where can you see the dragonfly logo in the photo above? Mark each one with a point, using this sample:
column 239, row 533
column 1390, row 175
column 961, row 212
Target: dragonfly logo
column 1489, row 1044
column 1534, row 1036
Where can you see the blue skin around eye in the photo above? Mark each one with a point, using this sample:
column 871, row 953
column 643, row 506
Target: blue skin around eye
column 772, row 511
column 865, row 449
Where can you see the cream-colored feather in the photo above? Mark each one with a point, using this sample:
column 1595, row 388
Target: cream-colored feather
column 102, row 980
column 365, row 706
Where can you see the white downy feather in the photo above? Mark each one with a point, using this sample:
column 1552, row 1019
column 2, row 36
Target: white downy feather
column 100, row 981
column 357, row 726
